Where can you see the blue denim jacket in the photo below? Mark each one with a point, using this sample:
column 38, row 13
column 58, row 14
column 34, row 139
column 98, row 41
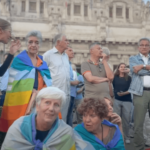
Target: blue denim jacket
column 136, row 86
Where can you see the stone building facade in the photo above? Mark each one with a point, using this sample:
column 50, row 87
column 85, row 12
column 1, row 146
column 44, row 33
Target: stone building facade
column 116, row 24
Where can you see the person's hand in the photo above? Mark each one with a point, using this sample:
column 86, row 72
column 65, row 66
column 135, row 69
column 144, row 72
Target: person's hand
column 147, row 67
column 76, row 82
column 34, row 91
column 106, row 79
column 14, row 47
column 120, row 93
column 127, row 70
column 116, row 119
column 104, row 57
column 136, row 69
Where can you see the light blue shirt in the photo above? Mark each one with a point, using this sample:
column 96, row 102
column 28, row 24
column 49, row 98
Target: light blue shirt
column 81, row 79
column 59, row 67
column 4, row 81
column 73, row 87
column 136, row 86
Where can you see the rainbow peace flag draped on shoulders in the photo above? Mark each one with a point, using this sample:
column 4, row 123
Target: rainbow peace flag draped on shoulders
column 22, row 136
column 20, row 86
column 88, row 141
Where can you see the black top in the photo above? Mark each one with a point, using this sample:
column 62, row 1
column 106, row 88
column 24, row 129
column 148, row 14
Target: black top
column 36, row 80
column 120, row 84
column 41, row 135
column 6, row 64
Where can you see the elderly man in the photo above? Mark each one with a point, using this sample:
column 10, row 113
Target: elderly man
column 74, row 82
column 58, row 63
column 140, row 87
column 97, row 74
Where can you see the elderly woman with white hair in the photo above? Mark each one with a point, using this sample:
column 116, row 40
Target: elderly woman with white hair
column 28, row 74
column 43, row 130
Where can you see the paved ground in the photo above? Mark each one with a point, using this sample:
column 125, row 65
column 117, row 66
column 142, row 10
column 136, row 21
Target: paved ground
column 131, row 147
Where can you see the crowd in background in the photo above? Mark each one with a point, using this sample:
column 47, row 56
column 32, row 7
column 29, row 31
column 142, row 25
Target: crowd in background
column 40, row 95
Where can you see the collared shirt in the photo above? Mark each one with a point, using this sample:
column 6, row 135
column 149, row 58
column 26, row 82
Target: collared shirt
column 146, row 79
column 59, row 67
column 72, row 78
column 136, row 86
column 81, row 80
column 4, row 81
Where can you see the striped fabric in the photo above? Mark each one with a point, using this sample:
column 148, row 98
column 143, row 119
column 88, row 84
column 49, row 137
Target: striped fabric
column 20, row 86
column 22, row 136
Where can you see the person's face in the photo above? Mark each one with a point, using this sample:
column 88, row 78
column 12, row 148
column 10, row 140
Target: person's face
column 33, row 45
column 97, row 51
column 122, row 68
column 91, row 121
column 144, row 47
column 5, row 35
column 110, row 107
column 48, row 110
column 70, row 52
column 64, row 43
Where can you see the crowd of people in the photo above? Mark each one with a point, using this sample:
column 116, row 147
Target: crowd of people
column 39, row 95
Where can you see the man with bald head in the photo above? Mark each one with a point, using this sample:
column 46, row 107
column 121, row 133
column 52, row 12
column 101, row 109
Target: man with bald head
column 97, row 75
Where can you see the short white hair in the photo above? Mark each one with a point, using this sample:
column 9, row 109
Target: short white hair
column 51, row 93
column 58, row 37
column 106, row 51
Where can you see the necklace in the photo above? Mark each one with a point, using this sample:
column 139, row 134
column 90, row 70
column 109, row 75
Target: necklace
column 102, row 132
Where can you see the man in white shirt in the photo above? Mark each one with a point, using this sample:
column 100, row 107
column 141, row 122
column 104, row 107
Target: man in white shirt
column 58, row 64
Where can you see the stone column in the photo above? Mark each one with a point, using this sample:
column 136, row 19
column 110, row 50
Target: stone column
column 27, row 6
column 114, row 12
column 38, row 8
column 107, row 12
column 46, row 9
column 64, row 11
column 89, row 13
column 131, row 14
column 19, row 7
column 82, row 9
column 72, row 10
column 124, row 13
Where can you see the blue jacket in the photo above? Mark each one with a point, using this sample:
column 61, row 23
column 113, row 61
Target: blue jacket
column 136, row 86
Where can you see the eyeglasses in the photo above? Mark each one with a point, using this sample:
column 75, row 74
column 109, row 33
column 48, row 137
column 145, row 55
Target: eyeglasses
column 146, row 46
column 31, row 42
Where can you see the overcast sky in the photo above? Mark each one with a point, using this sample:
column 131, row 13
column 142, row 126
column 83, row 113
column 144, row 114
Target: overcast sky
column 146, row 0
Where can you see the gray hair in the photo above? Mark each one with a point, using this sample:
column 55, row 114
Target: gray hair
column 57, row 38
column 143, row 39
column 93, row 44
column 51, row 93
column 35, row 34
column 106, row 51
column 4, row 24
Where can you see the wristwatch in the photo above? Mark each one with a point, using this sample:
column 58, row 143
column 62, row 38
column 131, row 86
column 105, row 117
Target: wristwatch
column 144, row 66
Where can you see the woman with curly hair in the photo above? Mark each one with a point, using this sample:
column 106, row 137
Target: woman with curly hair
column 96, row 132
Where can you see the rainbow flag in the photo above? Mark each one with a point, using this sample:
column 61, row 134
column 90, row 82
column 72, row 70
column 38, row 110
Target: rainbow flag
column 20, row 86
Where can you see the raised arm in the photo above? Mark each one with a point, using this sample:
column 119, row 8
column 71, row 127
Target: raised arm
column 109, row 72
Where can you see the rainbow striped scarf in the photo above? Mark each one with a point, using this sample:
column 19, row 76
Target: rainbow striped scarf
column 20, row 86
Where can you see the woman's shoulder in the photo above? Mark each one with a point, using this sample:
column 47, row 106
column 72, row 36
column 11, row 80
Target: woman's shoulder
column 17, row 123
column 64, row 126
